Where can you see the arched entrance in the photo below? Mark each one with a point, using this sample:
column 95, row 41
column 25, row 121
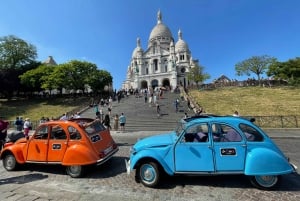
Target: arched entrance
column 154, row 83
column 144, row 84
column 166, row 83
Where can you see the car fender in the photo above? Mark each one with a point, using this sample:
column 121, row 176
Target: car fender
column 150, row 155
column 16, row 150
column 79, row 154
column 263, row 161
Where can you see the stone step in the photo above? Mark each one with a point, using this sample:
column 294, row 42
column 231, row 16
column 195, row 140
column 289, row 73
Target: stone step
column 141, row 116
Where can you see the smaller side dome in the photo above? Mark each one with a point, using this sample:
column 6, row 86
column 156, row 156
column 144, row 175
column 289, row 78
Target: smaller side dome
column 138, row 51
column 181, row 45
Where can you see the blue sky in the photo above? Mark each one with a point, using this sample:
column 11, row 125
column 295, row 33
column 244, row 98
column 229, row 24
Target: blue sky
column 220, row 33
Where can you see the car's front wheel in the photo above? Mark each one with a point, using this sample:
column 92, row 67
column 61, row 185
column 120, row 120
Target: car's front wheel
column 75, row 171
column 265, row 182
column 149, row 174
column 10, row 162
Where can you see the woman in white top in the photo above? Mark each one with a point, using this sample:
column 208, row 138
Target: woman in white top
column 27, row 127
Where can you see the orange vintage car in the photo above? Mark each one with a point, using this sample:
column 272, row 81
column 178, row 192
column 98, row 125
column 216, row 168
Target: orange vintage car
column 74, row 144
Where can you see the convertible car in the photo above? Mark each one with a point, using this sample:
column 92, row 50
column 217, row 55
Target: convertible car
column 74, row 144
column 210, row 145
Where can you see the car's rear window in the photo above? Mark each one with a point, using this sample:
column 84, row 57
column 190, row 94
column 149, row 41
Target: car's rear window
column 91, row 126
column 94, row 128
column 251, row 133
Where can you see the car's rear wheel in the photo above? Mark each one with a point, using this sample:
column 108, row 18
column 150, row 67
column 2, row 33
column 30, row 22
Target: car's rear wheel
column 10, row 162
column 265, row 182
column 75, row 171
column 149, row 174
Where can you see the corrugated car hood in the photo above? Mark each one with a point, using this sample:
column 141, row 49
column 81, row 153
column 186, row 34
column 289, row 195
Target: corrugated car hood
column 155, row 141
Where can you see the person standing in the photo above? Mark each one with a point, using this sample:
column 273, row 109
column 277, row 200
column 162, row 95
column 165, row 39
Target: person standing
column 77, row 115
column 27, row 126
column 96, row 109
column 3, row 129
column 158, row 110
column 64, row 117
column 106, row 122
column 116, row 122
column 122, row 120
column 176, row 103
column 109, row 109
column 18, row 124
column 110, row 101
column 189, row 104
column 236, row 114
column 145, row 95
column 150, row 99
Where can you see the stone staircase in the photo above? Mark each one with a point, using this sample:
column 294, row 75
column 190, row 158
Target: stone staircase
column 141, row 116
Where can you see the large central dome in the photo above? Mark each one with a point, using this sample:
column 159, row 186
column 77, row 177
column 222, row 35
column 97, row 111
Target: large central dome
column 160, row 30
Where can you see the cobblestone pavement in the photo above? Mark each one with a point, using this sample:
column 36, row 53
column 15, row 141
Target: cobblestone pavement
column 110, row 182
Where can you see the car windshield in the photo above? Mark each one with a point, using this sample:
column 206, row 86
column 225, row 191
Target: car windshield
column 180, row 127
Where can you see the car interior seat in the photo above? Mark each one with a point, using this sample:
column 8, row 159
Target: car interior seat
column 232, row 136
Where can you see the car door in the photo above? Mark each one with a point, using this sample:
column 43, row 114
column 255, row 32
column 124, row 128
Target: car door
column 192, row 155
column 229, row 148
column 38, row 145
column 57, row 144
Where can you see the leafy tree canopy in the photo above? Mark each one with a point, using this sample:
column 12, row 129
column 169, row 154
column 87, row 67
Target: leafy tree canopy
column 197, row 74
column 256, row 64
column 100, row 79
column 35, row 78
column 15, row 52
column 289, row 71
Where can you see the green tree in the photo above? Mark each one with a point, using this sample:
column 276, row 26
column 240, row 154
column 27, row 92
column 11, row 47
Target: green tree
column 74, row 75
column 256, row 64
column 16, row 56
column 79, row 75
column 15, row 52
column 197, row 74
column 100, row 79
column 289, row 71
column 36, row 78
column 59, row 78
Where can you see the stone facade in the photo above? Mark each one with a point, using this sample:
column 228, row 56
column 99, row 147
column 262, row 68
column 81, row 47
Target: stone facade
column 163, row 64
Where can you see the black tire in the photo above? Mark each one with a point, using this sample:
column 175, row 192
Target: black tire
column 265, row 182
column 149, row 174
column 75, row 171
column 9, row 162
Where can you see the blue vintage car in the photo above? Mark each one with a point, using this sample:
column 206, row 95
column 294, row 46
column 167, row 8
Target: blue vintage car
column 210, row 145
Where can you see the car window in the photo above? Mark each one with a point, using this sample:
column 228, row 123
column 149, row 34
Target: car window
column 251, row 133
column 58, row 133
column 41, row 133
column 95, row 127
column 74, row 133
column 196, row 133
column 225, row 133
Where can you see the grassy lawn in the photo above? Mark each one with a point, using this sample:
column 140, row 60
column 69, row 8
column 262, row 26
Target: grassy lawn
column 37, row 108
column 248, row 101
column 256, row 101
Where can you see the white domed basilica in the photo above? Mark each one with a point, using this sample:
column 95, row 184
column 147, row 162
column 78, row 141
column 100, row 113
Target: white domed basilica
column 163, row 64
